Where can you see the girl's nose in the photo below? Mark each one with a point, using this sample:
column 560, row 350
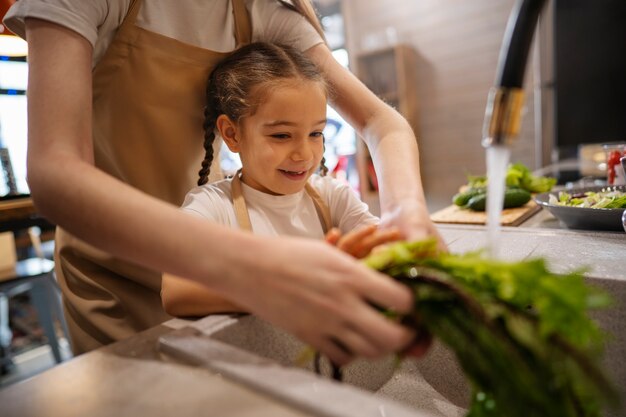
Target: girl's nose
column 302, row 151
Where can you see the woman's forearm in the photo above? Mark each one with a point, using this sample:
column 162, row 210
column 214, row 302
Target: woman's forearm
column 393, row 147
column 184, row 298
column 388, row 135
column 130, row 224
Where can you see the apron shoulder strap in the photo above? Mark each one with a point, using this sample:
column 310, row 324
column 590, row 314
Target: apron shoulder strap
column 323, row 211
column 239, row 204
column 243, row 27
column 131, row 15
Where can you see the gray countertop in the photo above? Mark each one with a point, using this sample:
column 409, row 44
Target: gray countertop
column 602, row 254
column 131, row 378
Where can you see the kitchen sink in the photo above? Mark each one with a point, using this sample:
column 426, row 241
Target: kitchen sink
column 268, row 359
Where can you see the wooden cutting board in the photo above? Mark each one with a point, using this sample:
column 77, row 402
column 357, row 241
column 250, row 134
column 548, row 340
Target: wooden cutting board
column 510, row 217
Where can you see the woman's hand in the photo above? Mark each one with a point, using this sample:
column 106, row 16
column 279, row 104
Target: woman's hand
column 360, row 242
column 413, row 220
column 322, row 296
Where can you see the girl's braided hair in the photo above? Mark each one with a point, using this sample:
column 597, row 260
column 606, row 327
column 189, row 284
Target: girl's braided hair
column 239, row 83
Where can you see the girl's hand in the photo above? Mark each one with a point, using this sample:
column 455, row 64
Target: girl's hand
column 360, row 242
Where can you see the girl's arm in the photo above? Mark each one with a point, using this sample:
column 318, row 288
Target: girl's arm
column 391, row 142
column 294, row 283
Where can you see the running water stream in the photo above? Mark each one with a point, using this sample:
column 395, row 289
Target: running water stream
column 497, row 161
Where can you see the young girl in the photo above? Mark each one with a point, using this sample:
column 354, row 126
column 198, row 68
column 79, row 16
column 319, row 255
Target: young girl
column 268, row 103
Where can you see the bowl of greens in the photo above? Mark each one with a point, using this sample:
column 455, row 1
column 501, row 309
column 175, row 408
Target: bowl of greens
column 590, row 208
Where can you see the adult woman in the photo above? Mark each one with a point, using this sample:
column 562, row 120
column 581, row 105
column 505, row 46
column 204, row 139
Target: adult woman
column 114, row 141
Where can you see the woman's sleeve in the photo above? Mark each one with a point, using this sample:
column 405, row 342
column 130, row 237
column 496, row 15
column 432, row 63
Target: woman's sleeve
column 81, row 16
column 273, row 22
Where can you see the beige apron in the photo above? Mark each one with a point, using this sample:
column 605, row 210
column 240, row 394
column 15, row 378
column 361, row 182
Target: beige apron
column 148, row 100
column 243, row 218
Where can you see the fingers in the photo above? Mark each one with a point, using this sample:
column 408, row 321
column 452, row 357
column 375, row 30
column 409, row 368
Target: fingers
column 420, row 345
column 362, row 329
column 383, row 291
column 359, row 243
column 381, row 333
column 335, row 351
column 352, row 342
column 333, row 236
column 355, row 328
column 379, row 237
column 353, row 237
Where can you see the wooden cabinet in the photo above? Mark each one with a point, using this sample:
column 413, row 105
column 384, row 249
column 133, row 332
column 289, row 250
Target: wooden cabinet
column 391, row 74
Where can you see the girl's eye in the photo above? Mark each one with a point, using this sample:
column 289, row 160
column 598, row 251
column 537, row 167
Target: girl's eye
column 280, row 136
column 317, row 134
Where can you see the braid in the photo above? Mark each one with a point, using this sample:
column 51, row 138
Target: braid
column 209, row 138
column 323, row 167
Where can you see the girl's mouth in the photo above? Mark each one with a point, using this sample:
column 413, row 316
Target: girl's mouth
column 294, row 175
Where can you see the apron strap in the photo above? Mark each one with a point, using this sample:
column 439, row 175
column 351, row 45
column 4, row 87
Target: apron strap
column 241, row 211
column 131, row 15
column 243, row 31
column 323, row 211
column 243, row 217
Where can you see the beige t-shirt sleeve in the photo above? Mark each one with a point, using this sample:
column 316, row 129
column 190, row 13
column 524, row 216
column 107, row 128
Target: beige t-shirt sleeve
column 208, row 25
column 348, row 212
column 275, row 23
column 83, row 17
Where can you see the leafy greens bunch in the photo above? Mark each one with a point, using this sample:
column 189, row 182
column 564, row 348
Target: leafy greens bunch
column 518, row 175
column 520, row 332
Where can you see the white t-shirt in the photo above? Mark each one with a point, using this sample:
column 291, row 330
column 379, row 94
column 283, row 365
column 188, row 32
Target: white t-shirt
column 291, row 215
column 207, row 24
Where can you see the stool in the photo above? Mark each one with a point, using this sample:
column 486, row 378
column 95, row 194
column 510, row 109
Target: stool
column 36, row 277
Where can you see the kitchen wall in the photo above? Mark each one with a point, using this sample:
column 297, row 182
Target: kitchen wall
column 457, row 43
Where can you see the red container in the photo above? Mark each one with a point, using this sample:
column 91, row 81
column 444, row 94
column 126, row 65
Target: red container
column 614, row 152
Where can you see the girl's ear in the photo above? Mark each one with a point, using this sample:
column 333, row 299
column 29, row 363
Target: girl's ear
column 228, row 130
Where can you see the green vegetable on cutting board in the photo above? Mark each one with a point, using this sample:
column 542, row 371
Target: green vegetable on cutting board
column 476, row 198
column 520, row 183
column 521, row 333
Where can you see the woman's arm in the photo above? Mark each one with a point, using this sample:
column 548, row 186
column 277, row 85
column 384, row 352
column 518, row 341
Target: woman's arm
column 185, row 298
column 391, row 142
column 294, row 283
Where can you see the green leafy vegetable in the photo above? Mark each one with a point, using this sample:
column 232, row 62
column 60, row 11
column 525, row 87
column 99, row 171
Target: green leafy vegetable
column 517, row 175
column 520, row 332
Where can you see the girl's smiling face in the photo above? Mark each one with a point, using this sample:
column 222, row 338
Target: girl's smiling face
column 281, row 144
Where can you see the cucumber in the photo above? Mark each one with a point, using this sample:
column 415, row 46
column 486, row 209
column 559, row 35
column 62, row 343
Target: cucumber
column 461, row 199
column 513, row 197
column 477, row 203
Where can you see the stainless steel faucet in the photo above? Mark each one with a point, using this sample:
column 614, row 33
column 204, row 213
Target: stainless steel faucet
column 504, row 105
